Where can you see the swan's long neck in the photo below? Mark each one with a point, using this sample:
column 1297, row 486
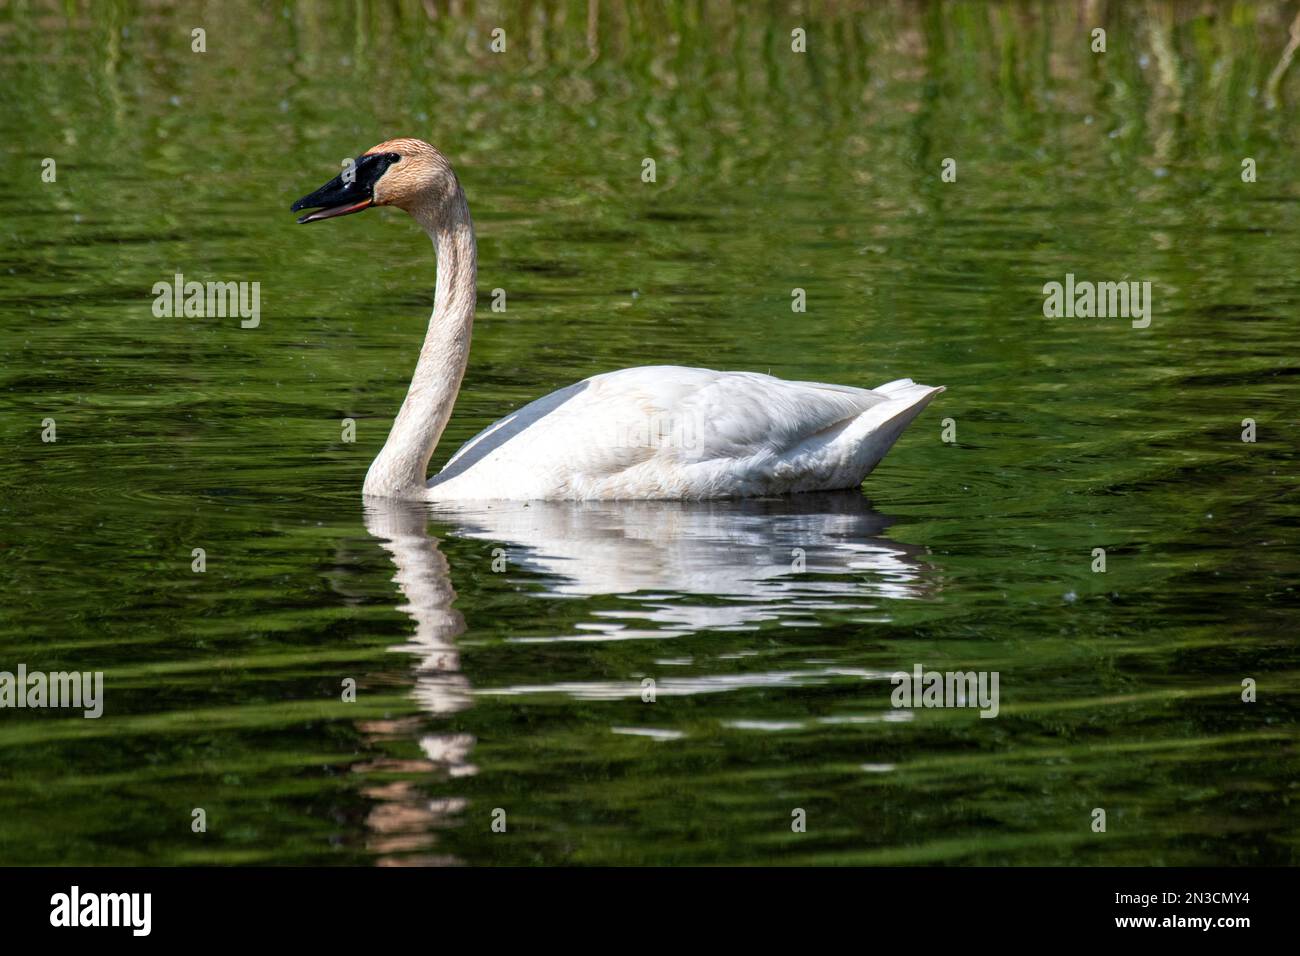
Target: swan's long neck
column 402, row 466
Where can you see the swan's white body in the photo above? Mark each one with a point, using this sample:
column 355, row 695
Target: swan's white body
column 653, row 433
column 668, row 432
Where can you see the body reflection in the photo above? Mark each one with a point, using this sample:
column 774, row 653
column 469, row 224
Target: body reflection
column 755, row 559
column 678, row 567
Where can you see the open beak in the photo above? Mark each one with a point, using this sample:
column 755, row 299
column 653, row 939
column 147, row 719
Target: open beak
column 351, row 191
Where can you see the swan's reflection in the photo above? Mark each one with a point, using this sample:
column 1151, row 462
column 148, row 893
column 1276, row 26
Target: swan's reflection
column 678, row 566
column 758, row 559
column 424, row 579
column 402, row 820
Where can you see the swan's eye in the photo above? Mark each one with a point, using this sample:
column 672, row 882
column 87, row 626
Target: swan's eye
column 393, row 157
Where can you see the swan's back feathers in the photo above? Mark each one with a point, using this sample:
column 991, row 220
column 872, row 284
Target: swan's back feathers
column 674, row 432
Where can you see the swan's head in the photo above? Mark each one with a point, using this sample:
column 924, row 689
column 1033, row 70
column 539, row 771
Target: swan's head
column 406, row 173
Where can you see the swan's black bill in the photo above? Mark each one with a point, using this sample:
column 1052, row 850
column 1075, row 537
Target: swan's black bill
column 351, row 191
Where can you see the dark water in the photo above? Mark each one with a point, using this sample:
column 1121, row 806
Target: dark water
column 499, row 652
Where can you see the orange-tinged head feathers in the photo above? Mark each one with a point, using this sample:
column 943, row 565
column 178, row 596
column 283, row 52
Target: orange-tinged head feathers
column 404, row 172
column 421, row 177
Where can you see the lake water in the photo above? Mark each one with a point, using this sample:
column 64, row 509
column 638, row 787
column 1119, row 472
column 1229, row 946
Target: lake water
column 500, row 653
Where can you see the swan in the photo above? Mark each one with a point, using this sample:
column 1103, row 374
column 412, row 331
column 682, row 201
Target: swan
column 657, row 432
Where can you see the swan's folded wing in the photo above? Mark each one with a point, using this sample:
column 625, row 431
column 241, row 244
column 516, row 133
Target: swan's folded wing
column 743, row 414
column 610, row 423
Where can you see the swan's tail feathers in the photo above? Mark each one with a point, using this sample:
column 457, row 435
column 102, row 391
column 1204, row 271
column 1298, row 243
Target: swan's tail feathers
column 874, row 432
column 895, row 385
column 911, row 393
column 907, row 399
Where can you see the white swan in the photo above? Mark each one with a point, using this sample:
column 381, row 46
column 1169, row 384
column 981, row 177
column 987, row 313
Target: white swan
column 641, row 433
